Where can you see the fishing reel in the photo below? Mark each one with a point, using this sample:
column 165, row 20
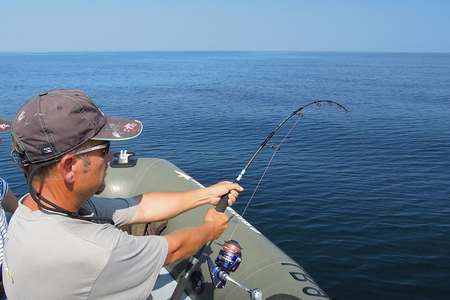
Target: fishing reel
column 229, row 260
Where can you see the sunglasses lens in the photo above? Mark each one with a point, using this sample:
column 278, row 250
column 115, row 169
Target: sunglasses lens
column 107, row 148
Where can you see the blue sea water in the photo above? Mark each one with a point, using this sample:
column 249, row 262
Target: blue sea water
column 360, row 199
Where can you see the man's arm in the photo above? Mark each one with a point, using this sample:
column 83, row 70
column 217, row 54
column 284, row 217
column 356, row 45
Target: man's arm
column 10, row 202
column 7, row 197
column 183, row 243
column 165, row 205
column 140, row 258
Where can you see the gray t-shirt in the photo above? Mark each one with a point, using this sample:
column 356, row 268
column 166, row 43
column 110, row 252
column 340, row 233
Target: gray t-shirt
column 50, row 256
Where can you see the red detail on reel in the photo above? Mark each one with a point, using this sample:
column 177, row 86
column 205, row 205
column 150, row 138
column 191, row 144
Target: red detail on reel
column 232, row 246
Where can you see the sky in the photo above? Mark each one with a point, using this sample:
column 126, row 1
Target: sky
column 228, row 25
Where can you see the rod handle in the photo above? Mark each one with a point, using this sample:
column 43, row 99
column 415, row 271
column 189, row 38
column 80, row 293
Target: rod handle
column 223, row 203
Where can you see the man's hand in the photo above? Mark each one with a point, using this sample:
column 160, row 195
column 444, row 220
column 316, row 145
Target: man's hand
column 185, row 242
column 165, row 205
column 216, row 191
column 217, row 221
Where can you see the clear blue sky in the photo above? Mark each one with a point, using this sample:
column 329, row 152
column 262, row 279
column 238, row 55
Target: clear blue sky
column 313, row 25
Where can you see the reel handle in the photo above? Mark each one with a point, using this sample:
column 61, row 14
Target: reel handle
column 223, row 203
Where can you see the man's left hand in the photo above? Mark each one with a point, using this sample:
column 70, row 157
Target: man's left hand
column 216, row 191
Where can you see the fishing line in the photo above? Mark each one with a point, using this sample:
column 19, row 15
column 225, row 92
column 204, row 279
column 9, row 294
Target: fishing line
column 275, row 151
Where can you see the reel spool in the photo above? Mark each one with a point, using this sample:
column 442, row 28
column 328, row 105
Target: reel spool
column 227, row 261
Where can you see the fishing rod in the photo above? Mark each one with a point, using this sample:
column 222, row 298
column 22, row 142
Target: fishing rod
column 223, row 203
column 229, row 260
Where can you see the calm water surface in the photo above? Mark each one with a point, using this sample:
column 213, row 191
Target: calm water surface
column 361, row 200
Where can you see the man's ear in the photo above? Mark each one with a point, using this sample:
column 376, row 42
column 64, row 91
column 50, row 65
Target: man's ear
column 66, row 168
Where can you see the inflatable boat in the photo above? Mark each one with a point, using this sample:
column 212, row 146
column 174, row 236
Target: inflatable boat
column 263, row 266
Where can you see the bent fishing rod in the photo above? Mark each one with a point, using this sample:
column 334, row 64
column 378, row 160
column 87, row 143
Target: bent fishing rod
column 223, row 203
column 219, row 273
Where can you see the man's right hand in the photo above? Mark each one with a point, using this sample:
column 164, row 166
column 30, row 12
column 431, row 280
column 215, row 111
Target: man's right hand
column 185, row 242
column 217, row 221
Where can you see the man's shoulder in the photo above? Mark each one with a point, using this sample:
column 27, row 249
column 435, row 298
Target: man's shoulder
column 81, row 249
column 62, row 229
column 105, row 236
column 92, row 252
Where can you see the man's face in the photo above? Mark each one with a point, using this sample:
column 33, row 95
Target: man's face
column 95, row 162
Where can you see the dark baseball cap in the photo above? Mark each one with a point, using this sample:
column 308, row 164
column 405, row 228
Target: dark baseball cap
column 56, row 122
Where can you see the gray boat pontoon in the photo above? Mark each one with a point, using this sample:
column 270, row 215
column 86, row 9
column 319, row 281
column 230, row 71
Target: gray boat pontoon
column 267, row 268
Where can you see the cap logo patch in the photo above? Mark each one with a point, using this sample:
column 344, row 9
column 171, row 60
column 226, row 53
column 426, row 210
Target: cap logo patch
column 47, row 150
column 130, row 127
column 21, row 116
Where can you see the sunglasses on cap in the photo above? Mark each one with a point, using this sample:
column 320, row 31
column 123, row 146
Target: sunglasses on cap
column 105, row 147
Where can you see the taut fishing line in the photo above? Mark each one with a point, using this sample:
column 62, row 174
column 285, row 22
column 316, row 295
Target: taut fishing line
column 275, row 150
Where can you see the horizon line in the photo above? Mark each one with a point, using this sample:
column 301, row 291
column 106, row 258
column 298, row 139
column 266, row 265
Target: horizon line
column 175, row 51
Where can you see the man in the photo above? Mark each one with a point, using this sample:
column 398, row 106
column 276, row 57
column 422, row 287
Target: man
column 55, row 250
column 8, row 202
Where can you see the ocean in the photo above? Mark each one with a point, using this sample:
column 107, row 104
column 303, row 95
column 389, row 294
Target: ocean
column 359, row 199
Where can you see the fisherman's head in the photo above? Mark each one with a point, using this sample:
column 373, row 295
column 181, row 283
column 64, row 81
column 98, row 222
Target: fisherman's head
column 63, row 135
